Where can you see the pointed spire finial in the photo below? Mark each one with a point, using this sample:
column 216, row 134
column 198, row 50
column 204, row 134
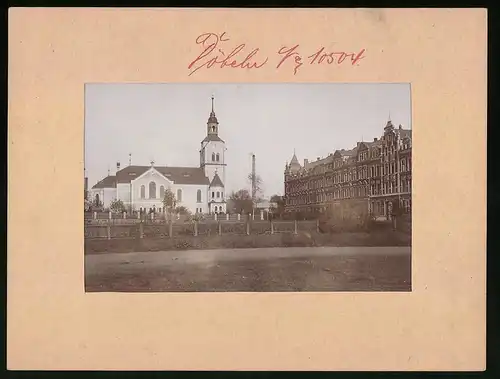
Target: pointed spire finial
column 212, row 103
column 389, row 115
column 129, row 159
column 152, row 163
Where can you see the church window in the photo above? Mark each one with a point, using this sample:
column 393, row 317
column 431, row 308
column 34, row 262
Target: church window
column 222, row 194
column 152, row 190
column 143, row 192
column 217, row 157
column 213, row 157
column 213, row 195
column 218, row 194
column 97, row 199
column 162, row 192
column 179, row 195
column 198, row 196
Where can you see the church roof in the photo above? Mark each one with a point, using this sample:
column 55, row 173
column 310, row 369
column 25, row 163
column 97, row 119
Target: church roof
column 212, row 119
column 107, row 182
column 216, row 182
column 179, row 175
column 212, row 137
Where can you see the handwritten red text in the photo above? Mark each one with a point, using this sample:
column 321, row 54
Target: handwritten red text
column 211, row 42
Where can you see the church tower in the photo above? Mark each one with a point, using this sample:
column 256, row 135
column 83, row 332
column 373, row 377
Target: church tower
column 212, row 161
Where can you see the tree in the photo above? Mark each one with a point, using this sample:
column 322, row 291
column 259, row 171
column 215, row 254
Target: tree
column 169, row 201
column 241, row 201
column 258, row 184
column 117, row 206
column 278, row 206
column 182, row 210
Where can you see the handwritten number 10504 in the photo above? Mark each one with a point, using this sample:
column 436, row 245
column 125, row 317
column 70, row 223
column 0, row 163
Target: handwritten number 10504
column 215, row 54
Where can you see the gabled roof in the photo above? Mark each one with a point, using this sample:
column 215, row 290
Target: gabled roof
column 179, row 175
column 405, row 133
column 212, row 137
column 216, row 182
column 107, row 182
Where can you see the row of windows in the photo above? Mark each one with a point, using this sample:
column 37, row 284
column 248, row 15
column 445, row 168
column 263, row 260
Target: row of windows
column 363, row 172
column 358, row 191
column 152, row 193
column 219, row 194
column 215, row 157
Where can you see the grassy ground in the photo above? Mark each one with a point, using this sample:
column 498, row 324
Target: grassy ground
column 363, row 272
column 231, row 241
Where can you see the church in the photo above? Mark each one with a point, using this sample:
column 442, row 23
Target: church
column 199, row 189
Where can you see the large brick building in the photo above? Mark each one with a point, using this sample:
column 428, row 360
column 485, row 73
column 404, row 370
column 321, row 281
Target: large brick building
column 374, row 175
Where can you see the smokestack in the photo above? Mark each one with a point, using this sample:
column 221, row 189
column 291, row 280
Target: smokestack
column 253, row 178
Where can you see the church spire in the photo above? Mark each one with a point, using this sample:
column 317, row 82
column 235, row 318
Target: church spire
column 213, row 123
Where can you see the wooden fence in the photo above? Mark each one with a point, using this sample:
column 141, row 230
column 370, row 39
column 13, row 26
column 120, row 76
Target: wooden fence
column 116, row 228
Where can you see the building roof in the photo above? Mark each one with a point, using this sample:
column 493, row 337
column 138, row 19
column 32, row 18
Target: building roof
column 404, row 133
column 212, row 137
column 294, row 160
column 216, row 182
column 179, row 175
column 108, row 182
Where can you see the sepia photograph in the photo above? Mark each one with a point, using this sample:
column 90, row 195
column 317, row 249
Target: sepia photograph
column 248, row 187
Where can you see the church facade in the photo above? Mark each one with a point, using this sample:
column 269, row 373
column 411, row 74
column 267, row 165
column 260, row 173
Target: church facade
column 199, row 189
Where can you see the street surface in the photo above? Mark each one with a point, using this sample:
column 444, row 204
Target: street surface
column 252, row 270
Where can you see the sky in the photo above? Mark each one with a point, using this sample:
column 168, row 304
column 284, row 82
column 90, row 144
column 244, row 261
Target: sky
column 167, row 122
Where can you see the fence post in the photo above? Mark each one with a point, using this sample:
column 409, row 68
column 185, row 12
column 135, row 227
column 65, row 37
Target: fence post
column 272, row 228
column 110, row 216
column 227, row 216
column 195, row 228
column 124, row 214
column 239, row 216
column 141, row 230
column 109, row 231
column 219, row 228
column 317, row 226
column 261, row 215
column 95, row 215
column 138, row 216
column 295, row 227
column 170, row 228
column 248, row 227
column 215, row 216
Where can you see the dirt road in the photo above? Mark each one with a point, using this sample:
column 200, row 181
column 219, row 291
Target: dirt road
column 252, row 270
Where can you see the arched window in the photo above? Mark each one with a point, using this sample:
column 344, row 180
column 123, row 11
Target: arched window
column 162, row 192
column 217, row 157
column 152, row 190
column 213, row 157
column 213, row 195
column 222, row 194
column 143, row 192
column 97, row 199
column 179, row 195
column 218, row 194
column 198, row 196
